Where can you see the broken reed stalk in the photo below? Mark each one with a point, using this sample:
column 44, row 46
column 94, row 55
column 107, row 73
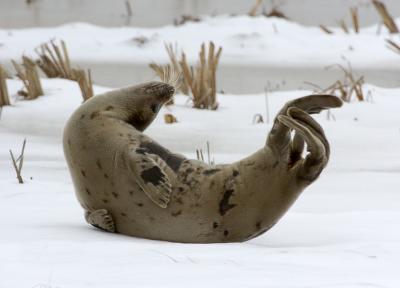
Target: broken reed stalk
column 55, row 63
column 17, row 163
column 200, row 155
column 348, row 87
column 254, row 9
column 343, row 25
column 325, row 29
column 85, row 83
column 198, row 81
column 174, row 65
column 386, row 17
column 201, row 79
column 393, row 45
column 29, row 76
column 355, row 19
column 4, row 96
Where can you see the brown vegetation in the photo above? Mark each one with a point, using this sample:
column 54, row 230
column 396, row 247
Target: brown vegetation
column 4, row 97
column 169, row 118
column 55, row 63
column 386, row 17
column 198, row 81
column 200, row 155
column 28, row 73
column 346, row 88
column 17, row 163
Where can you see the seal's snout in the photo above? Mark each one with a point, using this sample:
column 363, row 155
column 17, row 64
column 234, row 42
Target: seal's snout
column 161, row 90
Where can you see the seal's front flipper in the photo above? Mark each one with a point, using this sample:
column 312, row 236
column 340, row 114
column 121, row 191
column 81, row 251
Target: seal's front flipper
column 153, row 180
column 100, row 219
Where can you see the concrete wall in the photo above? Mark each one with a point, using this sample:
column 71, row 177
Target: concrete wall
column 149, row 13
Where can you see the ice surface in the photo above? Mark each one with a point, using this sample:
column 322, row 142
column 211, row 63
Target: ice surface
column 342, row 232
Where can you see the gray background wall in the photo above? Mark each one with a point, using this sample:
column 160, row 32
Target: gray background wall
column 150, row 13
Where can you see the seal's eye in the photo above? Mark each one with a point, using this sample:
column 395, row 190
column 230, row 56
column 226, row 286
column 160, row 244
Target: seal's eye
column 154, row 108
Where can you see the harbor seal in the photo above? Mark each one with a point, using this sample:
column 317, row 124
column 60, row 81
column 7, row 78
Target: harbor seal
column 129, row 184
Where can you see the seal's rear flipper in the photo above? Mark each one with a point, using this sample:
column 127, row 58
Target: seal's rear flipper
column 152, row 179
column 100, row 219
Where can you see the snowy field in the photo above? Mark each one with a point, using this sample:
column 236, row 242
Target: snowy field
column 344, row 231
column 255, row 50
column 248, row 40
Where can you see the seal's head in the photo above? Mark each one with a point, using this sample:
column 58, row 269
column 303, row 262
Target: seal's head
column 143, row 102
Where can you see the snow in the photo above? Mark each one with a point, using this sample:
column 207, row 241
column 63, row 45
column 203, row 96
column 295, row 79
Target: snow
column 256, row 41
column 342, row 232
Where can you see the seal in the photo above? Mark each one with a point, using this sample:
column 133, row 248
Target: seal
column 129, row 184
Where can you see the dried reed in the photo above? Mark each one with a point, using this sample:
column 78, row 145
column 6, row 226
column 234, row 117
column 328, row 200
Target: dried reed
column 347, row 87
column 29, row 75
column 393, row 46
column 4, row 97
column 17, row 163
column 200, row 155
column 198, row 81
column 355, row 19
column 201, row 79
column 325, row 29
column 55, row 63
column 254, row 9
column 386, row 17
column 85, row 83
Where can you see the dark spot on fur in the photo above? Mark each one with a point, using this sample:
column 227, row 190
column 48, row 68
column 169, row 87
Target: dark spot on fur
column 258, row 225
column 250, row 163
column 87, row 191
column 275, row 164
column 189, row 170
column 179, row 201
column 105, row 201
column 180, row 189
column 139, row 121
column 121, row 135
column 83, row 173
column 177, row 213
column 82, row 116
column 115, row 194
column 155, row 107
column 109, row 108
column 123, row 214
column 99, row 164
column 69, row 142
column 210, row 171
column 224, row 205
column 151, row 218
column 105, row 175
column 152, row 175
column 215, row 225
column 141, row 151
column 139, row 204
column 172, row 160
column 94, row 114
column 235, row 173
column 131, row 192
column 226, row 233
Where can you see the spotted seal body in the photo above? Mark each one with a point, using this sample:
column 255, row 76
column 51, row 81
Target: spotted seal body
column 129, row 184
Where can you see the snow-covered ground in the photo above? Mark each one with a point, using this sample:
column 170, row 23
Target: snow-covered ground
column 342, row 232
column 248, row 40
column 255, row 50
